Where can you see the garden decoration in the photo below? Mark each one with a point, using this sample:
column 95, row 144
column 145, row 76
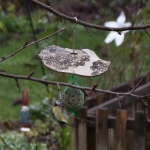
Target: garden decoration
column 25, row 115
column 120, row 22
column 72, row 99
column 82, row 62
column 25, row 112
column 59, row 114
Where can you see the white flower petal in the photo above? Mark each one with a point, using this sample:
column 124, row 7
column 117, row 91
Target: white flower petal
column 110, row 37
column 119, row 39
column 127, row 24
column 112, row 24
column 121, row 19
column 125, row 31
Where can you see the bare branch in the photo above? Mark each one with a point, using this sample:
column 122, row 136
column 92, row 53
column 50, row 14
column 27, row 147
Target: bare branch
column 119, row 101
column 94, row 87
column 147, row 33
column 144, row 103
column 140, row 82
column 139, row 6
column 72, row 85
column 17, row 84
column 86, row 24
column 27, row 42
column 31, row 73
column 85, row 94
column 27, row 45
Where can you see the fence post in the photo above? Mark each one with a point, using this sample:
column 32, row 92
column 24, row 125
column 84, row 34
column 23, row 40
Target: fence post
column 139, row 131
column 148, row 133
column 120, row 130
column 79, row 130
column 73, row 131
column 102, row 129
column 82, row 129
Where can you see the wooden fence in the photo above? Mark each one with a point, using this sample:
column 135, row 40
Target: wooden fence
column 105, row 127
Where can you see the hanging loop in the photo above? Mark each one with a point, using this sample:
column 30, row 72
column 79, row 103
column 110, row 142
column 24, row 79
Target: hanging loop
column 74, row 34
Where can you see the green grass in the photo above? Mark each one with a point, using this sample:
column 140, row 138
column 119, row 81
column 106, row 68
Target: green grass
column 16, row 65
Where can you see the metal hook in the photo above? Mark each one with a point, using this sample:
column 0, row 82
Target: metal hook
column 76, row 19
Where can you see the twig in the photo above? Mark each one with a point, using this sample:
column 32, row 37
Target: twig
column 119, row 101
column 139, row 82
column 27, row 45
column 147, row 32
column 144, row 103
column 17, row 84
column 94, row 87
column 85, row 94
column 71, row 19
column 31, row 73
column 45, row 82
column 139, row 6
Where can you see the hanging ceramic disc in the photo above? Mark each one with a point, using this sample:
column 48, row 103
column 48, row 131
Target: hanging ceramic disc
column 82, row 62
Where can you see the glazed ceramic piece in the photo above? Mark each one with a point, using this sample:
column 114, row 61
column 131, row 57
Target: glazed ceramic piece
column 82, row 62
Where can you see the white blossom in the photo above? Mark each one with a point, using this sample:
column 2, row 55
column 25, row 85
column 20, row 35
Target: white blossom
column 120, row 22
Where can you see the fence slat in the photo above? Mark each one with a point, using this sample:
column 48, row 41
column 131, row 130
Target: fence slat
column 82, row 129
column 120, row 130
column 148, row 133
column 102, row 129
column 74, row 135
column 139, row 131
column 130, row 113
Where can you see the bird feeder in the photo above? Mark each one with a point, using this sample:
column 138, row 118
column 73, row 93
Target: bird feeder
column 72, row 99
column 82, row 62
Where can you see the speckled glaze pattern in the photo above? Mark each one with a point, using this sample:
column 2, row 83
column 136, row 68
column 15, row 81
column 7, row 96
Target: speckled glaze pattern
column 61, row 59
column 82, row 62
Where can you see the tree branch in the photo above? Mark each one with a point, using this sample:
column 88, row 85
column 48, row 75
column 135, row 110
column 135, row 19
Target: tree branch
column 86, row 24
column 72, row 85
column 140, row 82
column 27, row 45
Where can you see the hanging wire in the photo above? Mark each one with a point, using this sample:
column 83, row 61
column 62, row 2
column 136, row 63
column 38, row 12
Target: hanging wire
column 74, row 36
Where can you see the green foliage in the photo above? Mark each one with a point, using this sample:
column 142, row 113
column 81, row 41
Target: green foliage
column 10, row 22
column 40, row 110
column 15, row 141
column 40, row 115
column 64, row 138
